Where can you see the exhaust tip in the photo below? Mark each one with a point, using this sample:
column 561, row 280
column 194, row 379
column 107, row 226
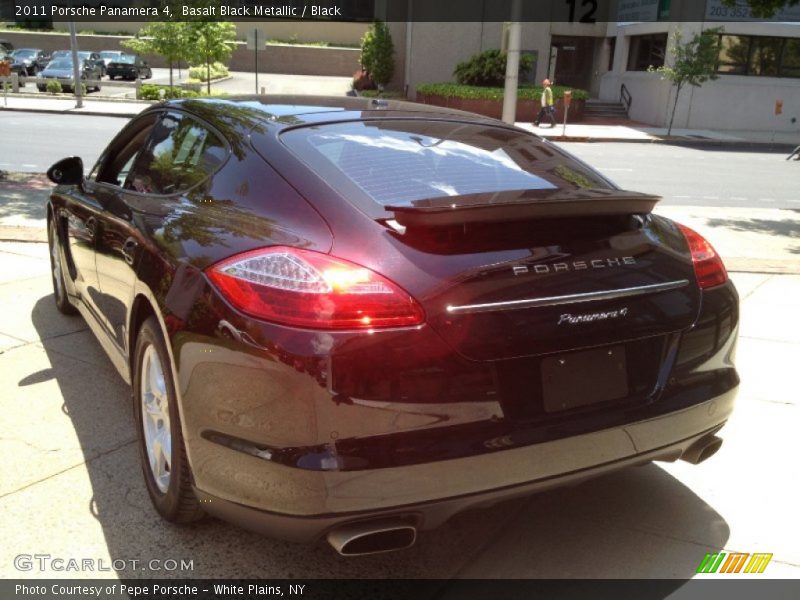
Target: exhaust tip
column 702, row 450
column 360, row 539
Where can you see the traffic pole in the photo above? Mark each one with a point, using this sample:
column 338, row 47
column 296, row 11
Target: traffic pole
column 77, row 88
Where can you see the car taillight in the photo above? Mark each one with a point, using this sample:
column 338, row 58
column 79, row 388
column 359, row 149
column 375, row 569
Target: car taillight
column 708, row 267
column 310, row 289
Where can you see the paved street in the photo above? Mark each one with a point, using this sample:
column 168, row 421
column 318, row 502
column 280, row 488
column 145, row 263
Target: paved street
column 31, row 142
column 67, row 423
column 698, row 175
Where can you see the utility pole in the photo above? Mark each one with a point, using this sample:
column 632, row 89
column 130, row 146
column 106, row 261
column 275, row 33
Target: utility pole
column 512, row 63
column 76, row 69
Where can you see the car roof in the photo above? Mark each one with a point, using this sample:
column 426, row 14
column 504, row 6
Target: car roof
column 282, row 111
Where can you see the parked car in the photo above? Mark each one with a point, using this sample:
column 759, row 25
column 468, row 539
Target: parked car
column 130, row 67
column 109, row 55
column 31, row 60
column 61, row 70
column 352, row 318
column 87, row 55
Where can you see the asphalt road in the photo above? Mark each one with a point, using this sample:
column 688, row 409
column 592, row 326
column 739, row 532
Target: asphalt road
column 687, row 176
column 31, row 142
column 697, row 175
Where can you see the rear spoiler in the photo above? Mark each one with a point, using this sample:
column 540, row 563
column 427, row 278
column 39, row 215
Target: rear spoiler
column 517, row 206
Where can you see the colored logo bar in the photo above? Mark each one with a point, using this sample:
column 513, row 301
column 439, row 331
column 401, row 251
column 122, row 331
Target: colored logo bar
column 735, row 562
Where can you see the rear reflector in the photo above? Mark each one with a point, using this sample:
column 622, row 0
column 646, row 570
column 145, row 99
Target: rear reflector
column 708, row 267
column 310, row 289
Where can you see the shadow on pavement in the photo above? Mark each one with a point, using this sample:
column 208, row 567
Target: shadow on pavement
column 24, row 196
column 637, row 523
column 786, row 228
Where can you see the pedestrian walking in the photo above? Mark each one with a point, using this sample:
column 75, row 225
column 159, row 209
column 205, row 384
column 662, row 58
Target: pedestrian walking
column 548, row 109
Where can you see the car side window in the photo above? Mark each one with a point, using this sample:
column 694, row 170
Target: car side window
column 180, row 154
column 115, row 165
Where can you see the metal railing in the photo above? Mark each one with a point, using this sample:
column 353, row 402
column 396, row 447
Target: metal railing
column 625, row 98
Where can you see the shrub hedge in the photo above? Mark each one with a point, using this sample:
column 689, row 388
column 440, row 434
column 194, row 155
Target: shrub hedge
column 474, row 92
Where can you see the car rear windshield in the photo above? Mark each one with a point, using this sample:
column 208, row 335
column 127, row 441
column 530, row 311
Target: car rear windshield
column 126, row 59
column 396, row 162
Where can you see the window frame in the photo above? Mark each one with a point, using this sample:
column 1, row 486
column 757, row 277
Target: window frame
column 753, row 41
column 125, row 136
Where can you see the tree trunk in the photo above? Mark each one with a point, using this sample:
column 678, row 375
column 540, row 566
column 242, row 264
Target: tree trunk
column 674, row 106
column 170, row 74
column 208, row 76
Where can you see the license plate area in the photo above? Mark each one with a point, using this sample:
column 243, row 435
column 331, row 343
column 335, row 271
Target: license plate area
column 577, row 379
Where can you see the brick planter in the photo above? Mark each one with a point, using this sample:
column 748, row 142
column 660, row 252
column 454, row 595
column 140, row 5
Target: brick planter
column 526, row 109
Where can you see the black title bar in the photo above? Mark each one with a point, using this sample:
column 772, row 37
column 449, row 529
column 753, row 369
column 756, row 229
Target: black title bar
column 583, row 12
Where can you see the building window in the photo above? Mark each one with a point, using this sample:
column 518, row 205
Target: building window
column 759, row 55
column 647, row 51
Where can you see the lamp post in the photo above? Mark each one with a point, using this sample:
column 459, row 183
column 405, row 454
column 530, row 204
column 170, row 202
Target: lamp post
column 76, row 69
column 512, row 64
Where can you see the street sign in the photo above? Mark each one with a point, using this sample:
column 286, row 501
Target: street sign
column 253, row 38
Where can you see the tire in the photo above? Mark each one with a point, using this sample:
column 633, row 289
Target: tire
column 57, row 272
column 167, row 473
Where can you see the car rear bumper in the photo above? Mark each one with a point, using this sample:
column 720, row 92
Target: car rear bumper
column 303, row 505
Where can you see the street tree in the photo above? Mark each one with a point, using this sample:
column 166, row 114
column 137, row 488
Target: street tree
column 210, row 42
column 167, row 38
column 377, row 53
column 694, row 62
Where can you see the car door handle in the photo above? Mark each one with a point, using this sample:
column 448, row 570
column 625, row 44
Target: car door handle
column 128, row 250
column 91, row 224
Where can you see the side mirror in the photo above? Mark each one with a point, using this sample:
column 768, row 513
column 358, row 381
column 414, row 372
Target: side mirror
column 67, row 171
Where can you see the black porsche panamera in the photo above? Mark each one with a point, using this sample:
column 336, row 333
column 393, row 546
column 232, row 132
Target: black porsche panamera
column 352, row 318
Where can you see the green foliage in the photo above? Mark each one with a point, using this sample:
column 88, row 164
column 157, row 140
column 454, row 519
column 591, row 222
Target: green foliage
column 210, row 42
column 150, row 91
column 167, row 38
column 694, row 62
column 54, row 86
column 472, row 92
column 391, row 95
column 377, row 53
column 488, row 68
column 218, row 70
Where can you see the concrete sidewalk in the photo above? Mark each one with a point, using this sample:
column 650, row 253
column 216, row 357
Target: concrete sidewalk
column 756, row 240
column 71, row 483
column 598, row 132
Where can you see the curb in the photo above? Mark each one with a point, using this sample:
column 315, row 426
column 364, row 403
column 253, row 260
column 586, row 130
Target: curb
column 677, row 141
column 72, row 111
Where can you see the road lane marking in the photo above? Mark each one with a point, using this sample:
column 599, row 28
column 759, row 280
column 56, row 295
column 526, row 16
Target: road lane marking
column 766, row 199
column 738, row 198
column 710, row 197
